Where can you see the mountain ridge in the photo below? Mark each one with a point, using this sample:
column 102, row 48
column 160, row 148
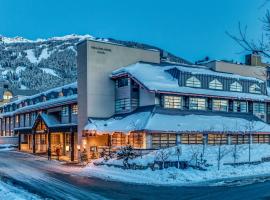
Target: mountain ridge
column 42, row 64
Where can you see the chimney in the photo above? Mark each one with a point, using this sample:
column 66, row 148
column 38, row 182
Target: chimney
column 253, row 59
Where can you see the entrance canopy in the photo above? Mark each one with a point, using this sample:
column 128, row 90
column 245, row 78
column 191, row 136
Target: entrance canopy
column 164, row 120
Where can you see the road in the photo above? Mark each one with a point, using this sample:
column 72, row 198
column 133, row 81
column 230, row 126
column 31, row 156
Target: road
column 53, row 182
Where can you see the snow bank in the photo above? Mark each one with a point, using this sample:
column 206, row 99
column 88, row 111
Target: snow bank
column 174, row 176
column 7, row 147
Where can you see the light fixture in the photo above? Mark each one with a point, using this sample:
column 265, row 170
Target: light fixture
column 67, row 148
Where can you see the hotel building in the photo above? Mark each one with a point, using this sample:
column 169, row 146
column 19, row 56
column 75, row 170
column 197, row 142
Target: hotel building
column 130, row 95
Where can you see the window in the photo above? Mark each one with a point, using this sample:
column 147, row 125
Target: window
column 220, row 105
column 197, row 104
column 240, row 139
column 239, row 106
column 191, row 139
column 7, row 95
column 259, row 108
column 172, row 102
column 255, row 89
column 217, row 139
column 121, row 82
column 65, row 111
column 119, row 139
column 260, row 138
column 75, row 109
column 193, row 82
column 17, row 118
column 136, row 140
column 215, row 84
column 163, row 140
column 122, row 105
column 27, row 116
column 236, row 87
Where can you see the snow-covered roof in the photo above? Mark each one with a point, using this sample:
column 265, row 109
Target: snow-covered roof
column 57, row 89
column 46, row 104
column 51, row 121
column 156, row 78
column 158, row 121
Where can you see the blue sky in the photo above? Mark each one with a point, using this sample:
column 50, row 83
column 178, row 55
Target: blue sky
column 190, row 29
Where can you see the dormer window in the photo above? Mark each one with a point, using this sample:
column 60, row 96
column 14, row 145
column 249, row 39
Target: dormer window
column 255, row 89
column 236, row 87
column 122, row 82
column 193, row 82
column 215, row 84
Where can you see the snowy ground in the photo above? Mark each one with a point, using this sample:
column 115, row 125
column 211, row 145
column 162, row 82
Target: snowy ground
column 10, row 192
column 7, row 147
column 174, row 176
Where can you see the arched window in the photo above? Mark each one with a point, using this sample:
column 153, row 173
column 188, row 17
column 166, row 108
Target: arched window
column 193, row 82
column 215, row 84
column 255, row 89
column 236, row 87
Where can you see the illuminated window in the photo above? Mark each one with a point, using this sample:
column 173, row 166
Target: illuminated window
column 172, row 102
column 236, row 87
column 17, row 118
column 215, row 84
column 75, row 109
column 193, row 82
column 255, row 89
column 7, row 95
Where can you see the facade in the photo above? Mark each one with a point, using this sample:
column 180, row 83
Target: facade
column 127, row 95
column 43, row 122
column 149, row 103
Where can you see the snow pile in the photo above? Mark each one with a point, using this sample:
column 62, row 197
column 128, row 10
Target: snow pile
column 174, row 176
column 7, row 147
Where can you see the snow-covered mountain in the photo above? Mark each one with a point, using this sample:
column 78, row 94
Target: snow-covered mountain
column 45, row 63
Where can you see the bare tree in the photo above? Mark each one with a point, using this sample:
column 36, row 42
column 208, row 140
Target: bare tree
column 250, row 129
column 222, row 151
column 260, row 46
column 162, row 155
column 178, row 152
